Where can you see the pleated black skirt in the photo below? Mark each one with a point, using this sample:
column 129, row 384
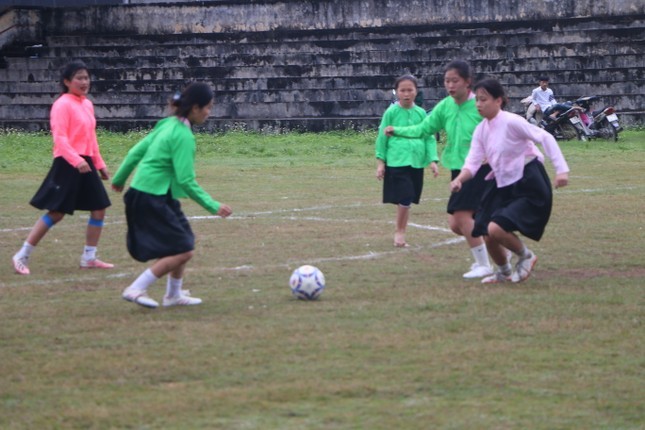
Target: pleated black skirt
column 468, row 198
column 402, row 185
column 65, row 189
column 524, row 206
column 157, row 227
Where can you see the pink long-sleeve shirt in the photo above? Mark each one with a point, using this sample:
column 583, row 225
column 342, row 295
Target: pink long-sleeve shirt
column 73, row 128
column 507, row 142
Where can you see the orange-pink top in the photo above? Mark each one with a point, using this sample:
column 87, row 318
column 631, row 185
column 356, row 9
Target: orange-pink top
column 73, row 127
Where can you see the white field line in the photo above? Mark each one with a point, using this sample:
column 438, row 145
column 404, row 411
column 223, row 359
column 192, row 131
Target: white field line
column 130, row 274
column 112, row 220
column 367, row 256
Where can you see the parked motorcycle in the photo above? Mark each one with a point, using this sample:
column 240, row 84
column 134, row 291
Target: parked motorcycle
column 602, row 123
column 563, row 121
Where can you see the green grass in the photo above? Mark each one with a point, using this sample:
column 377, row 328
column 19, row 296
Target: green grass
column 398, row 339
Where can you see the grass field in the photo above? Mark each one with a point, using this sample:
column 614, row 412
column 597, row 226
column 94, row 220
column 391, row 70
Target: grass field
column 398, row 340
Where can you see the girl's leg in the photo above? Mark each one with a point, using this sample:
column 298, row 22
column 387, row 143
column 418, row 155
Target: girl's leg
column 174, row 265
column 402, row 216
column 503, row 239
column 92, row 236
column 39, row 230
column 462, row 223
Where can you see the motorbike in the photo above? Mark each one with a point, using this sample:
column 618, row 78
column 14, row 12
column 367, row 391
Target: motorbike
column 602, row 123
column 564, row 121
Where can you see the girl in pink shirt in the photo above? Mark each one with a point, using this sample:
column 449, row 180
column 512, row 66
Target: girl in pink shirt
column 519, row 196
column 73, row 181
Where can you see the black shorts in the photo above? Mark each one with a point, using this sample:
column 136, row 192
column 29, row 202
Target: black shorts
column 402, row 185
column 156, row 226
column 468, row 198
column 65, row 189
column 524, row 206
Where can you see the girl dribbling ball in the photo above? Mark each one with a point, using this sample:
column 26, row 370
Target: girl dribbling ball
column 157, row 227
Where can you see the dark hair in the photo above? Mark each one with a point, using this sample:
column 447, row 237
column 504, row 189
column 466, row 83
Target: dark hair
column 196, row 93
column 492, row 87
column 544, row 78
column 461, row 67
column 68, row 71
column 406, row 78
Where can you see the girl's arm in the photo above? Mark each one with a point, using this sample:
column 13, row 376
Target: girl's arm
column 429, row 126
column 134, row 156
column 184, row 165
column 551, row 149
column 60, row 118
column 382, row 139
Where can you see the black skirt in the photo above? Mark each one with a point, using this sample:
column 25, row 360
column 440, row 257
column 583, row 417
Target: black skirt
column 156, row 226
column 65, row 189
column 524, row 206
column 468, row 198
column 402, row 185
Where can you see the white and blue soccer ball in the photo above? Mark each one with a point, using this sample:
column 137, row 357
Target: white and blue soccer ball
column 307, row 282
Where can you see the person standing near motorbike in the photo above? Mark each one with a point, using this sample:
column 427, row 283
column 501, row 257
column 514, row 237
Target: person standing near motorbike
column 543, row 98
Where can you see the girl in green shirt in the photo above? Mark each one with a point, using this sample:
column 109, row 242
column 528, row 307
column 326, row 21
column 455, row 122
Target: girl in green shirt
column 157, row 228
column 458, row 117
column 401, row 160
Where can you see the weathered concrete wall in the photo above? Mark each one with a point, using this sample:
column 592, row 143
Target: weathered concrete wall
column 258, row 16
column 324, row 64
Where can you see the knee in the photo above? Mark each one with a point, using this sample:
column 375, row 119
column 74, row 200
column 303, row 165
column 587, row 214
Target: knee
column 495, row 232
column 454, row 226
column 98, row 215
column 186, row 256
column 56, row 217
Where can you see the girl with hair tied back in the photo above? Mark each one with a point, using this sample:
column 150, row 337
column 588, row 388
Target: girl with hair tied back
column 518, row 196
column 157, row 228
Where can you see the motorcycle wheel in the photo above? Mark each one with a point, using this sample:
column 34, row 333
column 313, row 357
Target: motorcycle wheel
column 607, row 131
column 568, row 131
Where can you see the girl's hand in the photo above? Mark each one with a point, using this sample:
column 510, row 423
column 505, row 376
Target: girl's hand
column 117, row 188
column 434, row 168
column 83, row 167
column 105, row 174
column 389, row 131
column 224, row 210
column 380, row 169
column 455, row 186
column 561, row 180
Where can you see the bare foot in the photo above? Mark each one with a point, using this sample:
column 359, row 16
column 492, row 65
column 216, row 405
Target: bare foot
column 399, row 240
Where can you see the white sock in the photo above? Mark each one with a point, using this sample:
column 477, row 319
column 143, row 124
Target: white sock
column 89, row 253
column 25, row 251
column 144, row 280
column 480, row 254
column 173, row 286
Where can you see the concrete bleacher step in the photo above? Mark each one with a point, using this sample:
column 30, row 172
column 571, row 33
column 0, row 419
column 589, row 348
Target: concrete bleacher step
column 309, row 77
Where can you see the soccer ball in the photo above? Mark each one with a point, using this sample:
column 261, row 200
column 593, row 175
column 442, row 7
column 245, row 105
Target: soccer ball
column 307, row 282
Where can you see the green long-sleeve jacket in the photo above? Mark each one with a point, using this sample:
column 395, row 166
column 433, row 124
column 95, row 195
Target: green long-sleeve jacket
column 397, row 151
column 459, row 122
column 165, row 160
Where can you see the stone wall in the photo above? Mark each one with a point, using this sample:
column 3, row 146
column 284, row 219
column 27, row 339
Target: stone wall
column 320, row 65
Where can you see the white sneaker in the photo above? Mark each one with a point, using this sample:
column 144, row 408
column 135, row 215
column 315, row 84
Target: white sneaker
column 478, row 271
column 181, row 300
column 20, row 265
column 139, row 297
column 496, row 278
column 523, row 268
